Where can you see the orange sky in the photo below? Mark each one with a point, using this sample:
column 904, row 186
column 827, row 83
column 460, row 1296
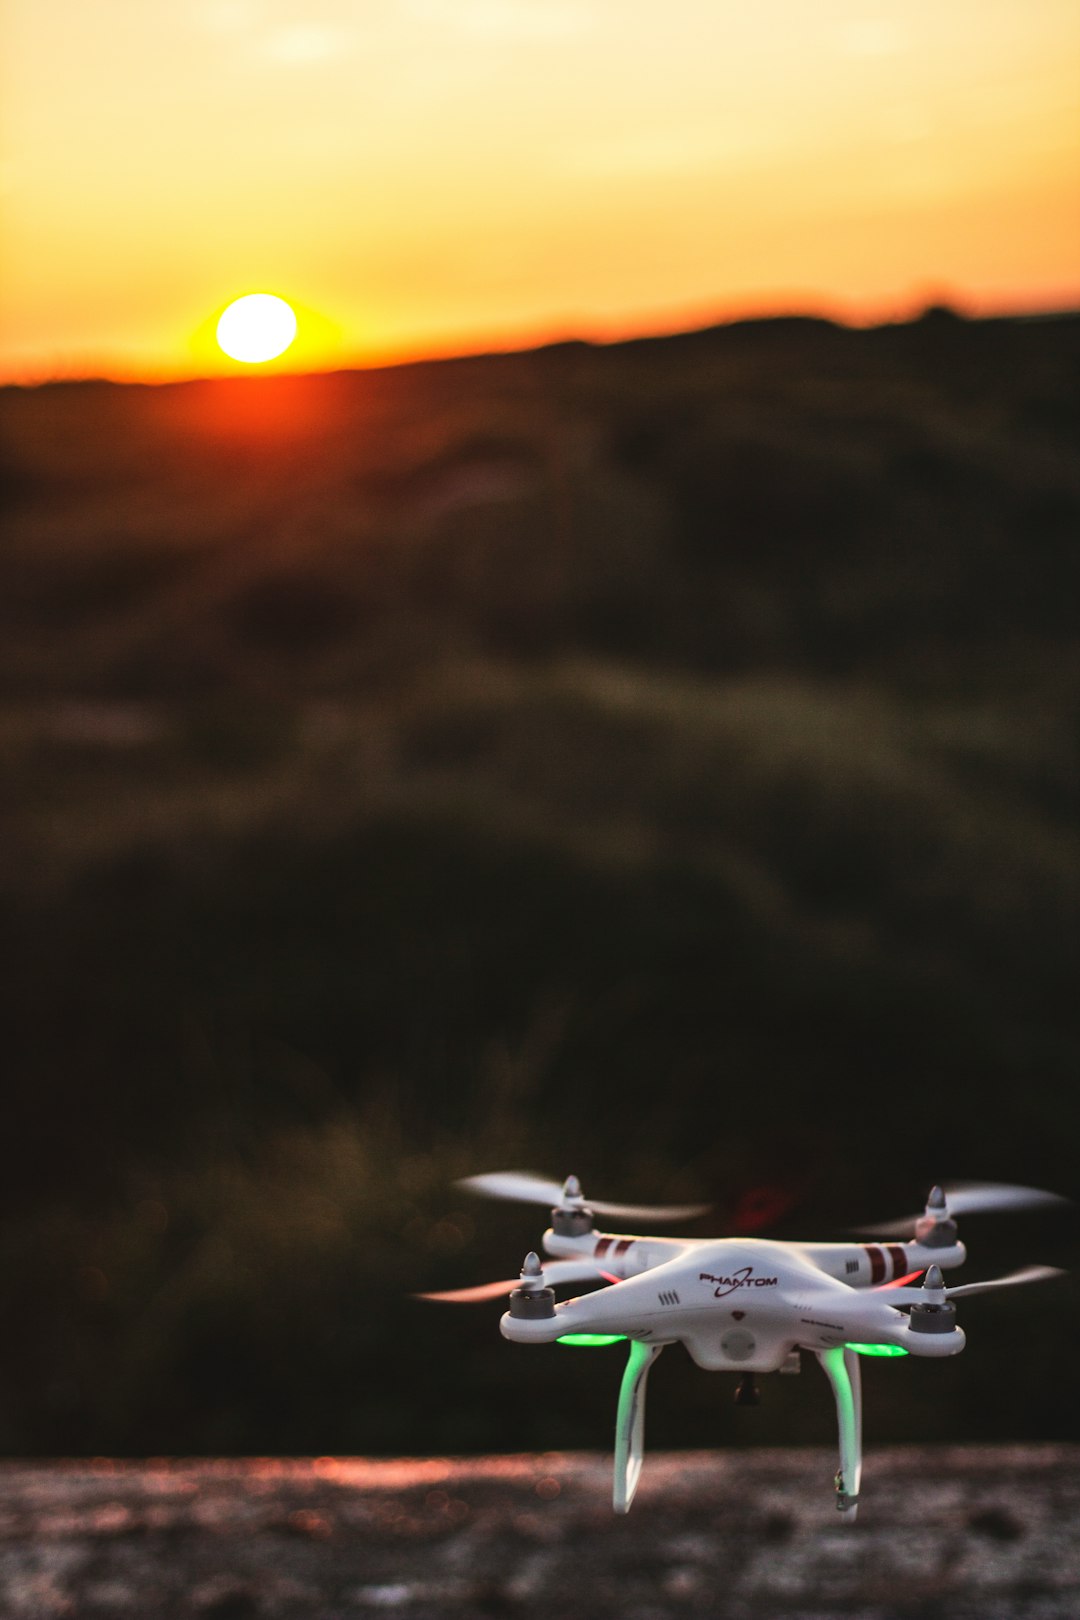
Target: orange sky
column 432, row 176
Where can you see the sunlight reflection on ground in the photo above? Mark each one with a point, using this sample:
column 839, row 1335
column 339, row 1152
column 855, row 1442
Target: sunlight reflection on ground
column 977, row 1532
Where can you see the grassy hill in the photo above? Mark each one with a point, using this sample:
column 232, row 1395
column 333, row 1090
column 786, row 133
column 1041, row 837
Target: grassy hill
column 656, row 761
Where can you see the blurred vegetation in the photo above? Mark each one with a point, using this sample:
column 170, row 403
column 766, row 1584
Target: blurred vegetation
column 655, row 761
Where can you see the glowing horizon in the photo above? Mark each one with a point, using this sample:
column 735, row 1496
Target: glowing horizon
column 430, row 177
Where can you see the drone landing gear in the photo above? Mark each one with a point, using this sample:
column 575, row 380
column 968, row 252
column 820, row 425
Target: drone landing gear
column 842, row 1369
column 747, row 1393
column 630, row 1423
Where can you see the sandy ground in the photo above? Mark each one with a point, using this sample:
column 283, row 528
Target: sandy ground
column 972, row 1533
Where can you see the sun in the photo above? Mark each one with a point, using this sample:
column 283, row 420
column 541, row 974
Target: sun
column 257, row 327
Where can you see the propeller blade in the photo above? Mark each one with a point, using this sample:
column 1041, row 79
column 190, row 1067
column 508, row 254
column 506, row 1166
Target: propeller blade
column 974, row 1198
column 982, row 1197
column 568, row 1271
column 554, row 1273
column 523, row 1187
column 897, row 1282
column 653, row 1213
column 473, row 1296
column 1028, row 1274
column 518, row 1186
column 903, row 1229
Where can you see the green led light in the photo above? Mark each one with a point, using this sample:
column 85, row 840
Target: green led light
column 591, row 1338
column 876, row 1349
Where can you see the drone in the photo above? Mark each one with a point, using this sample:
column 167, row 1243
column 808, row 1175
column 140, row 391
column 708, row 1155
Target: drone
column 743, row 1305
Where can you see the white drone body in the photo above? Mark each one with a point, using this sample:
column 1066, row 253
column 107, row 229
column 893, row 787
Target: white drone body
column 743, row 1305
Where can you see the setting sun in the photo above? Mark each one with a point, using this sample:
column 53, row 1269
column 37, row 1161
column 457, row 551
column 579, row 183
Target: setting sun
column 255, row 328
column 518, row 172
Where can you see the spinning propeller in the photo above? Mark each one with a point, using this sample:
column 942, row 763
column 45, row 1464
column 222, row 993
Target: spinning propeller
column 964, row 1198
column 523, row 1187
column 934, row 1293
column 533, row 1277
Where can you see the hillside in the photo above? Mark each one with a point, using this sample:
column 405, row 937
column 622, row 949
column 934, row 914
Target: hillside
column 655, row 761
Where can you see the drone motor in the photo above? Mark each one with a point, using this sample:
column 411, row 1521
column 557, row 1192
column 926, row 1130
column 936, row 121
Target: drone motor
column 532, row 1300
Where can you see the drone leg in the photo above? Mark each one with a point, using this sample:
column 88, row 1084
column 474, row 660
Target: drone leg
column 630, row 1423
column 842, row 1369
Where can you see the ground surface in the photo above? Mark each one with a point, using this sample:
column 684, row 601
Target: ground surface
column 967, row 1533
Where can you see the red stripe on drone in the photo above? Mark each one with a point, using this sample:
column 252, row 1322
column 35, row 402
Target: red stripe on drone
column 877, row 1262
column 899, row 1259
column 602, row 1248
column 621, row 1248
